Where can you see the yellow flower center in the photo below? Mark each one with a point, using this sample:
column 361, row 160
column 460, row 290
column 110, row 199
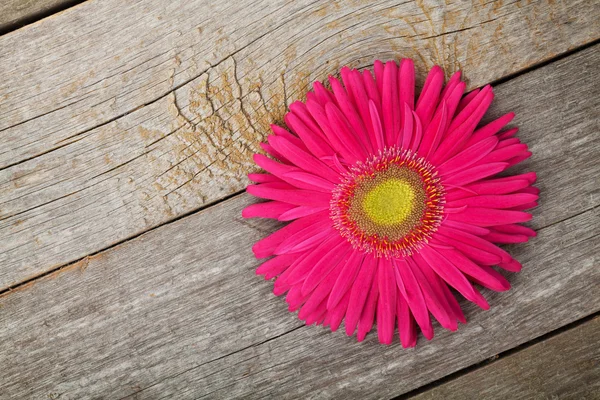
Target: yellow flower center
column 388, row 205
column 390, row 202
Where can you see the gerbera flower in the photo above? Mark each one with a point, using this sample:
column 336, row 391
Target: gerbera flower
column 392, row 203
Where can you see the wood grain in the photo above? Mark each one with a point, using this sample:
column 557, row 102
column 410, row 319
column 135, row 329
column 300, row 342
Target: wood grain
column 14, row 13
column 566, row 366
column 179, row 313
column 143, row 170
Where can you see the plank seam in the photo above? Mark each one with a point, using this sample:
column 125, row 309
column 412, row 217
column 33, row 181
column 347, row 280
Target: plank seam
column 38, row 16
column 491, row 360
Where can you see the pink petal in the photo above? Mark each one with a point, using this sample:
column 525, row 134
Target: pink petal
column 318, row 113
column 300, row 211
column 482, row 273
column 415, row 299
column 516, row 230
column 338, row 313
column 320, row 293
column 342, row 128
column 323, row 95
column 318, row 314
column 303, row 159
column 298, row 271
column 490, row 217
column 377, row 128
column 474, row 174
column 451, row 85
column 472, row 229
column 355, row 122
column 473, row 241
column 452, row 99
column 271, row 151
column 372, row 91
column 468, row 157
column 508, row 133
column 367, row 316
column 406, row 83
column 326, row 264
column 407, row 328
column 275, row 265
column 434, row 132
column 440, row 287
column 354, row 81
column 305, row 239
column 386, row 306
column 449, row 273
column 494, row 201
column 265, row 247
column 458, row 134
column 507, row 142
column 279, row 131
column 313, row 141
column 490, row 129
column 298, row 197
column 418, row 133
column 389, row 103
column 520, row 158
column 430, row 94
column 269, row 209
column 346, row 279
column 512, row 266
column 263, row 178
column 317, row 183
column 378, row 70
column 295, row 298
column 505, row 153
column 491, row 186
column 467, row 99
column 359, row 292
column 405, row 136
column 434, row 300
column 497, row 237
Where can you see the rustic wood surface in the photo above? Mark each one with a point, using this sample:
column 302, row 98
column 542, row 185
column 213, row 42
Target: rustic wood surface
column 566, row 366
column 118, row 118
column 178, row 311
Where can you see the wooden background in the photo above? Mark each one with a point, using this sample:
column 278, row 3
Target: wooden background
column 126, row 133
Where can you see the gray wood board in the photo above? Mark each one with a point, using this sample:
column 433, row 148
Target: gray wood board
column 566, row 366
column 103, row 59
column 179, row 313
column 125, row 177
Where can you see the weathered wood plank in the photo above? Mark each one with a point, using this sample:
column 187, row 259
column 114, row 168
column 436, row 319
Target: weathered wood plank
column 103, row 59
column 142, row 170
column 179, row 313
column 566, row 366
column 14, row 13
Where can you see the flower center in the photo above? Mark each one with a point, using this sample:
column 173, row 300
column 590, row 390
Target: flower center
column 389, row 205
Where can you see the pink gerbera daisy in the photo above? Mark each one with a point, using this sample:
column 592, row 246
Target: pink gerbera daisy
column 391, row 203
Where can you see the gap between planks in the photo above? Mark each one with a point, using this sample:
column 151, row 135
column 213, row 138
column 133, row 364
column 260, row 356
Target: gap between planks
column 12, row 17
column 456, row 376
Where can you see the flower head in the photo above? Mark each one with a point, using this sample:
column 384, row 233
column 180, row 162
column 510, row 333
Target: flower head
column 391, row 203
